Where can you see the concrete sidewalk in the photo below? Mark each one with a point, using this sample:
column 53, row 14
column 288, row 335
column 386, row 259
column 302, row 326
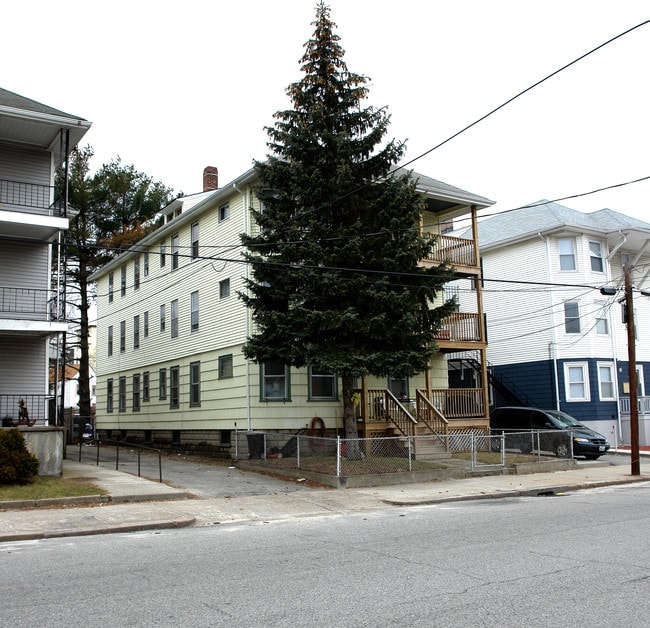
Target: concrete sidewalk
column 138, row 504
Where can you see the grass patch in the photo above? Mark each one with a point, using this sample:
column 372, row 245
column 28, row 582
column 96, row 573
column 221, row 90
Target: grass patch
column 46, row 487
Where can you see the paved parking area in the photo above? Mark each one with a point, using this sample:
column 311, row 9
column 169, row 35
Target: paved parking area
column 202, row 477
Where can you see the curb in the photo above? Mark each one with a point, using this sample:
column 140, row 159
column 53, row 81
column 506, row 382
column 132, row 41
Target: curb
column 540, row 491
column 164, row 524
column 91, row 500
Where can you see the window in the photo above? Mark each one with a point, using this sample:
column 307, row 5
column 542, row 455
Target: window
column 195, row 311
column 145, row 386
column 110, row 340
column 162, row 317
column 122, row 395
column 174, row 252
column 571, row 317
column 576, row 381
column 109, row 395
column 173, row 386
column 111, row 279
column 136, row 331
column 566, row 248
column 399, row 386
column 123, row 281
column 162, row 384
column 224, row 288
column 275, row 381
column 602, row 324
column 225, row 366
column 146, row 264
column 195, row 240
column 195, row 383
column 174, row 318
column 322, row 384
column 145, row 325
column 163, row 248
column 122, row 336
column 224, row 212
column 136, row 392
column 136, row 273
column 606, row 382
column 596, row 257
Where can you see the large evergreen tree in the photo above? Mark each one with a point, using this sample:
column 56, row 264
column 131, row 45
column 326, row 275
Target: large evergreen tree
column 335, row 279
column 111, row 210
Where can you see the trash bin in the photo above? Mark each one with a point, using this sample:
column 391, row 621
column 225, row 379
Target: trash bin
column 255, row 444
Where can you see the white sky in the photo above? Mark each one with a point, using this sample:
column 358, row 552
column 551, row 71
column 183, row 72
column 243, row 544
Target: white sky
column 172, row 87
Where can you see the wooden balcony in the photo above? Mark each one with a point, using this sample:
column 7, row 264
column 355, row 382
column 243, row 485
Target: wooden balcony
column 460, row 331
column 458, row 252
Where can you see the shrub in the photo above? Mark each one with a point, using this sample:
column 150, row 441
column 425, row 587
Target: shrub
column 17, row 465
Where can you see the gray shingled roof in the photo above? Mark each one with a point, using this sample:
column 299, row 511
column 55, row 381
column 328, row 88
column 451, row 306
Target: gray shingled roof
column 544, row 217
column 16, row 101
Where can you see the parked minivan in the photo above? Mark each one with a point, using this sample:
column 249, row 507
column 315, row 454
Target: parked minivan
column 515, row 421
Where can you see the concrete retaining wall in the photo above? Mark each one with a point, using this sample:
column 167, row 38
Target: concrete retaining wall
column 46, row 443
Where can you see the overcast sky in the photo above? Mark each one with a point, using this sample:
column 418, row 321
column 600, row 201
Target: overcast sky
column 172, row 87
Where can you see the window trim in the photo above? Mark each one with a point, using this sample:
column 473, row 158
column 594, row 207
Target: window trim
column 121, row 394
column 195, row 384
column 174, row 386
column 584, row 366
column 111, row 286
column 122, row 336
column 136, row 331
column 194, row 236
column 330, row 376
column 162, row 384
column 224, row 288
column 109, row 395
column 194, row 311
column 109, row 341
column 221, row 362
column 224, row 212
column 263, row 383
column 611, row 382
column 599, row 257
column 175, row 251
column 146, row 390
column 136, row 273
column 570, row 320
column 561, row 255
column 135, row 405
column 174, row 318
column 163, row 318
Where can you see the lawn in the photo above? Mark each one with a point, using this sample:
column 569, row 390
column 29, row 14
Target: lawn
column 46, row 487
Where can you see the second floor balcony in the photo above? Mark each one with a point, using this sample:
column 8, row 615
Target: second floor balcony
column 458, row 252
column 29, row 304
column 31, row 198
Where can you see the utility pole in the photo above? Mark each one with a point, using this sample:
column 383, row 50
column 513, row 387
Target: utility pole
column 635, row 466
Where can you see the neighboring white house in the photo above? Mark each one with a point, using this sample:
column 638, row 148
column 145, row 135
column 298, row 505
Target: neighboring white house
column 170, row 331
column 34, row 140
column 554, row 340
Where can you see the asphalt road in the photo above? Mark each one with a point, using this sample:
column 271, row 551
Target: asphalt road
column 577, row 559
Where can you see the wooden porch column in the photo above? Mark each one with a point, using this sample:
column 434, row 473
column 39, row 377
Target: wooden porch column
column 481, row 315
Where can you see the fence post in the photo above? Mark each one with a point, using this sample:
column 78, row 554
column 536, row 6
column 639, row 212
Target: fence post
column 338, row 456
column 117, row 457
column 410, row 454
column 297, row 451
column 503, row 449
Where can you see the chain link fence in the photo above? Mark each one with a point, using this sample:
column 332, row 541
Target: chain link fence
column 343, row 457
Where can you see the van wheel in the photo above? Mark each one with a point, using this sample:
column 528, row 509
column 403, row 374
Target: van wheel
column 561, row 450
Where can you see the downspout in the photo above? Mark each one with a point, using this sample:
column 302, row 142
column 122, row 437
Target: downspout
column 552, row 346
column 249, row 422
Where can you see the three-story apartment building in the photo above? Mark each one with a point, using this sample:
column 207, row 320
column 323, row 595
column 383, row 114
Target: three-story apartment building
column 556, row 341
column 170, row 367
column 35, row 140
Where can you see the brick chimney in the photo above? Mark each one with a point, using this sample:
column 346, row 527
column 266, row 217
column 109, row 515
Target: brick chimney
column 210, row 179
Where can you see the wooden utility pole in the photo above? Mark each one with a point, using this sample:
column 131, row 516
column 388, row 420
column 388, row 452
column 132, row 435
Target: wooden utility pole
column 635, row 466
